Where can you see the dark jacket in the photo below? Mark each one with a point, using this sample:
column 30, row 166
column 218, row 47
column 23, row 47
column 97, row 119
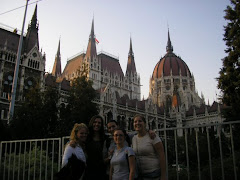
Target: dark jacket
column 73, row 170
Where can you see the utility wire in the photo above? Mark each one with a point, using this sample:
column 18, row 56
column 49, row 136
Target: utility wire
column 19, row 7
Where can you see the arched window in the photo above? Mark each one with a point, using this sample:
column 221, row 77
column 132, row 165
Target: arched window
column 7, row 86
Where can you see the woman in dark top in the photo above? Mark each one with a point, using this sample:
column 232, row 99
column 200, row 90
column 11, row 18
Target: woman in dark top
column 94, row 147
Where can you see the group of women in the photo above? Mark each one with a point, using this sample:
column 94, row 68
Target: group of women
column 145, row 158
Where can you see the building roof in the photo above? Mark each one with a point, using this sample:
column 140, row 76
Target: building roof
column 9, row 40
column 65, row 85
column 201, row 109
column 170, row 64
column 110, row 64
column 50, row 80
column 73, row 64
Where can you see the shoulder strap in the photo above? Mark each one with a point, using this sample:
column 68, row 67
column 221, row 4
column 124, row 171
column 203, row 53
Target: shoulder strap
column 127, row 160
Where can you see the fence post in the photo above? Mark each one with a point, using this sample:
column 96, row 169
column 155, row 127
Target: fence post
column 233, row 152
column 220, row 148
column 198, row 155
column 209, row 152
column 176, row 152
column 187, row 158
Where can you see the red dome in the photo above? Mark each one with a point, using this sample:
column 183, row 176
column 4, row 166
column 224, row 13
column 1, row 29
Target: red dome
column 170, row 62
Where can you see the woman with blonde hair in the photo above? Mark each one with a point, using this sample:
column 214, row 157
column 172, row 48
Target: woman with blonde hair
column 74, row 157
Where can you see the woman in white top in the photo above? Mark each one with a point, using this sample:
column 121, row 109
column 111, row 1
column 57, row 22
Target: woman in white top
column 78, row 135
column 149, row 152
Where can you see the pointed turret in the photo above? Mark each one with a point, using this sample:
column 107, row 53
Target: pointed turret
column 131, row 68
column 169, row 47
column 57, row 71
column 91, row 49
column 32, row 33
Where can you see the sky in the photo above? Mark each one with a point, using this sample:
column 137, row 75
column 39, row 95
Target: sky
column 196, row 30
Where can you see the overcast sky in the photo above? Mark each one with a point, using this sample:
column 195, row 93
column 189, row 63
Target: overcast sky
column 196, row 31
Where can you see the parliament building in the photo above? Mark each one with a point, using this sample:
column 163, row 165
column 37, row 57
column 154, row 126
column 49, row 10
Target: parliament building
column 173, row 100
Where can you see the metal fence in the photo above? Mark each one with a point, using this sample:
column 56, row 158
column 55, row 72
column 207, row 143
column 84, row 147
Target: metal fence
column 200, row 152
column 30, row 159
column 203, row 152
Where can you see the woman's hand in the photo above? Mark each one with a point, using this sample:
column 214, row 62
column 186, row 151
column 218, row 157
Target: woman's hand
column 73, row 144
column 152, row 134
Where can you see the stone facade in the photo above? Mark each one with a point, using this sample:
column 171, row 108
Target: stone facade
column 31, row 68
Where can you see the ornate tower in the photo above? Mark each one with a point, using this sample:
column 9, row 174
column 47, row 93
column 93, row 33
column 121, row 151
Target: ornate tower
column 91, row 61
column 131, row 75
column 172, row 84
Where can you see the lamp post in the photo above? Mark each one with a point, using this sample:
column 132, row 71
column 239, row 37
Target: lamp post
column 14, row 86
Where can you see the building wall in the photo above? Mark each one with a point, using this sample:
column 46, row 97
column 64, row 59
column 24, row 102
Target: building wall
column 31, row 71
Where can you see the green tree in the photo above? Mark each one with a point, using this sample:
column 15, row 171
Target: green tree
column 80, row 106
column 27, row 119
column 50, row 110
column 229, row 79
column 36, row 117
column 4, row 135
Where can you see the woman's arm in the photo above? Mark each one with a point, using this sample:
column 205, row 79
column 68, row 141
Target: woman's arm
column 160, row 152
column 131, row 160
column 110, row 172
column 67, row 154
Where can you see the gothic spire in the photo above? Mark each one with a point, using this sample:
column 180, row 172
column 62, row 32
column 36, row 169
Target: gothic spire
column 34, row 22
column 57, row 71
column 169, row 47
column 32, row 33
column 131, row 63
column 130, row 49
column 91, row 49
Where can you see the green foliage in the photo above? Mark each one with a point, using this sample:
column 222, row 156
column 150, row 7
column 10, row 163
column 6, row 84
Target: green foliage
column 229, row 75
column 4, row 133
column 36, row 117
column 31, row 164
column 172, row 173
column 228, row 168
column 204, row 156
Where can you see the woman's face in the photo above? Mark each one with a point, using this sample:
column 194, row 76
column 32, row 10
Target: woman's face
column 118, row 137
column 139, row 124
column 82, row 134
column 97, row 124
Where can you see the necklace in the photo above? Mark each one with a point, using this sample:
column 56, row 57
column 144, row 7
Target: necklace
column 118, row 151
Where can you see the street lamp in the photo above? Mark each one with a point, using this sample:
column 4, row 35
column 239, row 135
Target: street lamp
column 14, row 86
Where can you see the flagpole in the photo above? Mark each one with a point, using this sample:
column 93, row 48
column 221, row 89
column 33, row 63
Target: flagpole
column 14, row 85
